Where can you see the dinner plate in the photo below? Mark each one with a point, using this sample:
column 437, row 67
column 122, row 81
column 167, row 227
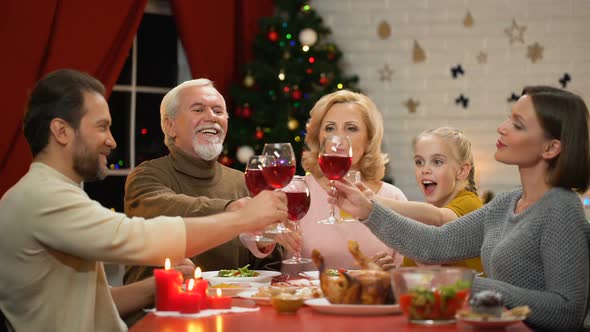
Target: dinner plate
column 232, row 291
column 322, row 305
column 489, row 323
column 263, row 278
column 260, row 300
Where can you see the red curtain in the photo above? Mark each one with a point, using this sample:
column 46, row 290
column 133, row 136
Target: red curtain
column 41, row 36
column 218, row 35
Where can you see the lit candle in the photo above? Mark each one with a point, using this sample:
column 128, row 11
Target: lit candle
column 191, row 300
column 168, row 288
column 201, row 286
column 219, row 301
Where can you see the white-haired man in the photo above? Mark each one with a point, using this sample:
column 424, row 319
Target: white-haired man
column 189, row 181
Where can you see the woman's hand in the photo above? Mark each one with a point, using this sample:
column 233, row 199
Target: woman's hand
column 384, row 260
column 354, row 199
column 186, row 267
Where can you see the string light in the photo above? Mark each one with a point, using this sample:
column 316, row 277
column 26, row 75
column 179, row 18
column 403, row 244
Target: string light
column 340, row 86
column 305, row 48
column 297, row 139
column 306, row 8
column 286, row 89
column 288, row 36
column 281, row 76
column 311, row 59
column 144, row 131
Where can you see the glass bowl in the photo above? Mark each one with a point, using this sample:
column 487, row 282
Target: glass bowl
column 286, row 303
column 431, row 295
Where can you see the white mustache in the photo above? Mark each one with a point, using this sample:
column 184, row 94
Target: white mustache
column 211, row 126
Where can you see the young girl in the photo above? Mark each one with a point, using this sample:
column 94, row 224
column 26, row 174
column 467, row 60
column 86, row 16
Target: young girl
column 444, row 172
column 533, row 240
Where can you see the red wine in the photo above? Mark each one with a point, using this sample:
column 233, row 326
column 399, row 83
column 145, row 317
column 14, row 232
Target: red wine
column 334, row 167
column 255, row 182
column 297, row 204
column 278, row 176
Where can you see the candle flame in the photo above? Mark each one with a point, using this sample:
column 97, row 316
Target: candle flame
column 191, row 284
column 167, row 264
column 198, row 273
column 219, row 292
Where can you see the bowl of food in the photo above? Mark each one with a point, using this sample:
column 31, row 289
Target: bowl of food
column 286, row 303
column 431, row 295
column 240, row 275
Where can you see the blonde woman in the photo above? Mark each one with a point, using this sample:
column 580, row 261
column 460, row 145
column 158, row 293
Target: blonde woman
column 354, row 115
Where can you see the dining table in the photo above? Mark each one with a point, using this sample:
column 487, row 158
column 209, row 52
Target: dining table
column 267, row 319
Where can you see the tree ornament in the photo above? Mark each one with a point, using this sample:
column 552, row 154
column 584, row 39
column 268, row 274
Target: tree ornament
column 411, row 105
column 331, row 56
column 249, row 81
column 273, row 36
column 293, row 124
column 238, row 112
column 323, row 79
column 244, row 153
column 259, row 133
column 226, row 160
column 482, row 57
column 385, row 73
column 286, row 55
column 246, row 111
column 296, row 94
column 308, row 37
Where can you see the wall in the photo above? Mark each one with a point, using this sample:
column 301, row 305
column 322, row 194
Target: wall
column 561, row 27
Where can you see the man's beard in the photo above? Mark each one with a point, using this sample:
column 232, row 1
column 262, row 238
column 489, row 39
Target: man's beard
column 213, row 148
column 87, row 164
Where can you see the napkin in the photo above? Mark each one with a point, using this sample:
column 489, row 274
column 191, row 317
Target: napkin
column 202, row 313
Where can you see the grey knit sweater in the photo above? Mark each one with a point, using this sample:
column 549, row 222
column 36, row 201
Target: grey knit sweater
column 537, row 258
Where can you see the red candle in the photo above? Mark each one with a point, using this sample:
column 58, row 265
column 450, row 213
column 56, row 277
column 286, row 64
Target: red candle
column 191, row 300
column 200, row 287
column 219, row 301
column 168, row 288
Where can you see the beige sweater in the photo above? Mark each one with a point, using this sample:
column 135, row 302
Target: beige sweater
column 54, row 238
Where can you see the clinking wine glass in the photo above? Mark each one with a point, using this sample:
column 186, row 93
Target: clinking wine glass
column 335, row 158
column 298, row 200
column 278, row 168
column 354, row 177
column 256, row 183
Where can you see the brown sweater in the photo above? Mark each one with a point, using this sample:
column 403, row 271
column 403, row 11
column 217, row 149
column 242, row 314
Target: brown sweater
column 180, row 185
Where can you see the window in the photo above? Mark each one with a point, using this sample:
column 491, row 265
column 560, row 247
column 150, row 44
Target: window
column 153, row 67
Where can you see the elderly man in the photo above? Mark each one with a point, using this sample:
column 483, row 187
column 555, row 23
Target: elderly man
column 189, row 181
column 55, row 236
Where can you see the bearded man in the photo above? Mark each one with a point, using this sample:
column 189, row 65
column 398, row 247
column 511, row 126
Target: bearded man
column 189, row 181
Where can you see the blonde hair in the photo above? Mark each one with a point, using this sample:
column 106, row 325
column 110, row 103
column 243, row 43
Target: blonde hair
column 460, row 144
column 169, row 105
column 372, row 163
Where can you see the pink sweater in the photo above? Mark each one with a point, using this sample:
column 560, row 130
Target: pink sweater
column 332, row 240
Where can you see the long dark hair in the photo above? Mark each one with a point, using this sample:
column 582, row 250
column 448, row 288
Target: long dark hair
column 564, row 116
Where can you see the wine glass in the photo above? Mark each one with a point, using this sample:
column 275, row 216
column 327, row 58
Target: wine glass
column 278, row 168
column 354, row 177
column 335, row 159
column 298, row 200
column 256, row 183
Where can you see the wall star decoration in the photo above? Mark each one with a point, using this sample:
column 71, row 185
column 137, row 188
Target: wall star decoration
column 411, row 105
column 515, row 32
column 535, row 52
column 482, row 57
column 385, row 73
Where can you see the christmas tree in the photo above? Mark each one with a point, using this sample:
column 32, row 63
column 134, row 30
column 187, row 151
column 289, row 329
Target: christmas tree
column 294, row 65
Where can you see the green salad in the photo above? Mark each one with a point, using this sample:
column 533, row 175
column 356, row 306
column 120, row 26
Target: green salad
column 242, row 272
